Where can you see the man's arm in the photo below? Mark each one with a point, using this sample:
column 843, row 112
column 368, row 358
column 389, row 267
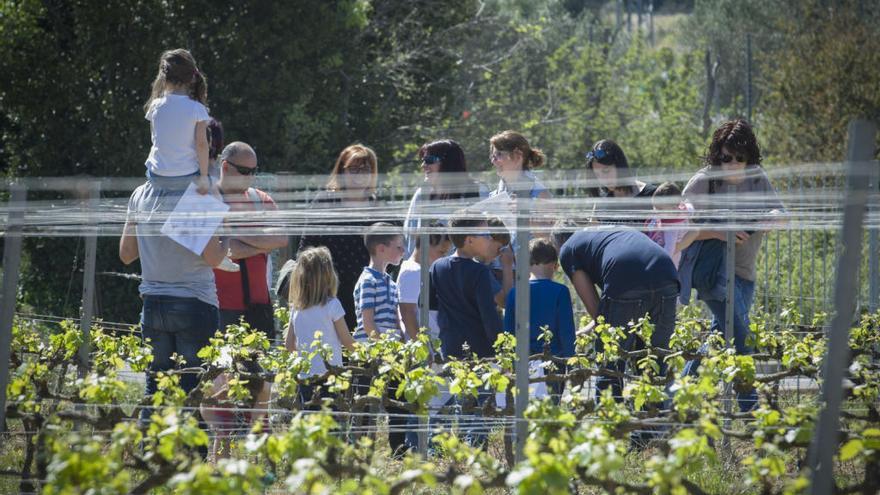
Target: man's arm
column 238, row 249
column 586, row 291
column 264, row 242
column 128, row 248
column 215, row 251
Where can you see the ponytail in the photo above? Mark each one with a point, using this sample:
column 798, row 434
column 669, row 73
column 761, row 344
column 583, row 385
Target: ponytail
column 536, row 159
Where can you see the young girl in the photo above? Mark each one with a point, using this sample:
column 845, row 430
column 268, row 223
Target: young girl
column 314, row 307
column 669, row 228
column 179, row 120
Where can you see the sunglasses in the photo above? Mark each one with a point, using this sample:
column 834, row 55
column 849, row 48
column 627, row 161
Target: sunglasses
column 430, row 159
column 598, row 154
column 498, row 155
column 359, row 169
column 243, row 170
column 725, row 158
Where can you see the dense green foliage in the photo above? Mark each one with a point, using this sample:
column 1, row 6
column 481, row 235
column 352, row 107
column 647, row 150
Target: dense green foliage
column 572, row 444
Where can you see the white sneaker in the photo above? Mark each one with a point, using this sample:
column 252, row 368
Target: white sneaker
column 227, row 265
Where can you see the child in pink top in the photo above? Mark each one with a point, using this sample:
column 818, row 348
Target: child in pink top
column 669, row 228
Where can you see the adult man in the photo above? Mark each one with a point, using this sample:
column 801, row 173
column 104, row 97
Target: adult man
column 637, row 277
column 245, row 293
column 180, row 299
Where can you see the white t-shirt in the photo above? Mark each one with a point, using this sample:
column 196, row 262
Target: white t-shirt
column 173, row 131
column 409, row 286
column 319, row 319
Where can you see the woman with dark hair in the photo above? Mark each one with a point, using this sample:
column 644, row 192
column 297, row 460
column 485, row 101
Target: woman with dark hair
column 352, row 186
column 609, row 176
column 732, row 179
column 215, row 147
column 446, row 179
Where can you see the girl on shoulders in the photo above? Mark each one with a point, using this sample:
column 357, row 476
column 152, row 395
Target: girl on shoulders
column 179, row 120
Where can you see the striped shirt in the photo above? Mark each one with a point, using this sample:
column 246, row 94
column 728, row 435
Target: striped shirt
column 375, row 290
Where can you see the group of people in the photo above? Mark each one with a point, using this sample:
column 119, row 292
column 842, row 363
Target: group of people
column 339, row 288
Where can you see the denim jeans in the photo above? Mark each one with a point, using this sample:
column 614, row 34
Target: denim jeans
column 658, row 304
column 179, row 325
column 743, row 298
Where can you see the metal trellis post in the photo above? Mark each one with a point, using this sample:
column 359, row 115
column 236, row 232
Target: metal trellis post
column 11, row 271
column 862, row 136
column 523, row 301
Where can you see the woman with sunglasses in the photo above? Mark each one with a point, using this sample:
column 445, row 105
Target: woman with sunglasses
column 514, row 161
column 732, row 179
column 351, row 187
column 609, row 176
column 446, row 185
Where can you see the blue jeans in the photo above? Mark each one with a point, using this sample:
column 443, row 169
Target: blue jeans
column 179, row 325
column 743, row 298
column 658, row 304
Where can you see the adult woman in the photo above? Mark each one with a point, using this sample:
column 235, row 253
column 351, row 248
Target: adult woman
column 733, row 170
column 352, row 186
column 609, row 176
column 514, row 159
column 446, row 180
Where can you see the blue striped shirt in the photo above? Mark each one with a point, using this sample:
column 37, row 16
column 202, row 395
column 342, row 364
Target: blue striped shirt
column 377, row 291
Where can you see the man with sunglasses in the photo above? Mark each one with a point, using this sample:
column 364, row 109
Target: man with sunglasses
column 245, row 294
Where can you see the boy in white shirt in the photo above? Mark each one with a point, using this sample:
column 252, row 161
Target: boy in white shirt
column 409, row 284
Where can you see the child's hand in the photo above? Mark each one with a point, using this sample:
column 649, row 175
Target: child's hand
column 203, row 184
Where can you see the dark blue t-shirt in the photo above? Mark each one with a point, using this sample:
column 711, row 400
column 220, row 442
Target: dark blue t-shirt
column 618, row 260
column 550, row 305
column 463, row 292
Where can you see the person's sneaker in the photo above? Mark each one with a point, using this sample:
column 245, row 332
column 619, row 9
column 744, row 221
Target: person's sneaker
column 227, row 265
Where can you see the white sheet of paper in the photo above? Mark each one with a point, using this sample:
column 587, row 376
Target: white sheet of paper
column 195, row 219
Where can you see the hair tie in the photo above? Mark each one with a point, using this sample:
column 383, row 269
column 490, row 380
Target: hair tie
column 166, row 67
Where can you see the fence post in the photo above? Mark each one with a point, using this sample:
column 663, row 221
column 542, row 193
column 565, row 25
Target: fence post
column 11, row 272
column 91, row 192
column 860, row 150
column 522, row 311
column 424, row 252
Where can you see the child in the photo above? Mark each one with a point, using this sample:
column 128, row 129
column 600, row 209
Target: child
column 228, row 421
column 179, row 120
column 502, row 263
column 550, row 303
column 463, row 291
column 409, row 283
column 375, row 294
column 375, row 303
column 671, row 232
column 315, row 308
